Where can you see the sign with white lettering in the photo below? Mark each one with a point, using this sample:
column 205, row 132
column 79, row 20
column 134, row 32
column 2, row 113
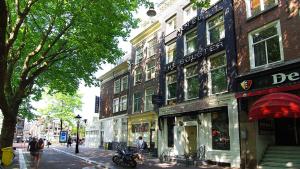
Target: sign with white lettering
column 287, row 74
column 214, row 48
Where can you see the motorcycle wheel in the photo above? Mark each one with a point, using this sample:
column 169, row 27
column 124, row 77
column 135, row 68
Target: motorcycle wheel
column 116, row 159
column 132, row 163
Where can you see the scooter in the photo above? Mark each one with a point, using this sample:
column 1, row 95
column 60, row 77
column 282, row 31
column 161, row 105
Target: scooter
column 125, row 158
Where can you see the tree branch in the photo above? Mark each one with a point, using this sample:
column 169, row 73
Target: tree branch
column 20, row 20
column 17, row 6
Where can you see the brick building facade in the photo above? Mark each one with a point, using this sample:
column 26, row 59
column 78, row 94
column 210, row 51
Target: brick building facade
column 268, row 57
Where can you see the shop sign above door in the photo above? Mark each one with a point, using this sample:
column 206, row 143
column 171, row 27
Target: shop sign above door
column 280, row 76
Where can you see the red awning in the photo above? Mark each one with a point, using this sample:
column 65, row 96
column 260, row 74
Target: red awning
column 276, row 105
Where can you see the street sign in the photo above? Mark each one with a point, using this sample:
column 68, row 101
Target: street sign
column 157, row 99
column 63, row 137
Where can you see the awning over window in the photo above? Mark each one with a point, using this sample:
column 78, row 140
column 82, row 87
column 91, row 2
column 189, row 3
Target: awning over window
column 276, row 105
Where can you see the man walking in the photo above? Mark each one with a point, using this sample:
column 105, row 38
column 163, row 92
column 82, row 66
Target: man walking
column 69, row 143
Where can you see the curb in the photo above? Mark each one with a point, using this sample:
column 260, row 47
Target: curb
column 84, row 159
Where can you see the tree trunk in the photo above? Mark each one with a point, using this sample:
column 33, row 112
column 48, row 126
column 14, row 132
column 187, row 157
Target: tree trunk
column 8, row 130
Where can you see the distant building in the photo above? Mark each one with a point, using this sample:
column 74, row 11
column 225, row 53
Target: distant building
column 92, row 133
column 114, row 104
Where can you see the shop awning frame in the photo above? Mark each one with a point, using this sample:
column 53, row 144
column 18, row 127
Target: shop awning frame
column 276, row 105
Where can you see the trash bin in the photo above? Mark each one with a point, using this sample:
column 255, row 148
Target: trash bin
column 109, row 146
column 7, row 155
column 105, row 146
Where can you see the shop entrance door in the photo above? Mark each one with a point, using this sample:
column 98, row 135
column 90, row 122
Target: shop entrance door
column 287, row 131
column 191, row 139
column 101, row 138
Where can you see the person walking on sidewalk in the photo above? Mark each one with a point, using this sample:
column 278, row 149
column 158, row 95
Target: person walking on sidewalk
column 33, row 147
column 142, row 147
column 69, row 143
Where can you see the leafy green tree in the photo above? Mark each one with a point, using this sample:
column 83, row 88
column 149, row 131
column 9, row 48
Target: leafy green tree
column 55, row 44
column 61, row 106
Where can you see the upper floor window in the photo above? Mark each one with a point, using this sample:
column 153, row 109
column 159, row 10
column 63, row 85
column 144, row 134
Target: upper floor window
column 123, row 103
column 189, row 12
column 151, row 49
column 137, row 76
column 190, row 42
column 137, row 102
column 115, row 105
column 218, row 73
column 215, row 29
column 138, row 54
column 150, row 70
column 255, row 7
column 148, row 99
column 171, row 87
column 265, row 45
column 124, row 84
column 191, row 82
column 117, row 86
column 171, row 52
column 171, row 25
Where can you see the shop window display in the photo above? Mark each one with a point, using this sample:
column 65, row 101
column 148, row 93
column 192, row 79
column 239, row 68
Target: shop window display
column 220, row 131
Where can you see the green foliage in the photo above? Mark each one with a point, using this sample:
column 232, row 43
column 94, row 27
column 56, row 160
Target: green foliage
column 61, row 106
column 201, row 3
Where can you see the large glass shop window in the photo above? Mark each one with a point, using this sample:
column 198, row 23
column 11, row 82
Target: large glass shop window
column 140, row 129
column 220, row 130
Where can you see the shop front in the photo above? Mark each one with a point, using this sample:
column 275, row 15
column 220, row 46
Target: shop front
column 145, row 125
column 113, row 131
column 208, row 127
column 269, row 106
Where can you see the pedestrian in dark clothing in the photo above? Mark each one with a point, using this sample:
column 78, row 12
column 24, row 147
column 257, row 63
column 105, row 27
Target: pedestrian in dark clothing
column 69, row 143
column 32, row 147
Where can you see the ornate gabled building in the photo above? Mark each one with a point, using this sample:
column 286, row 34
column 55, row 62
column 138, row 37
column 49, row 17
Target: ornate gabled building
column 199, row 113
column 144, row 78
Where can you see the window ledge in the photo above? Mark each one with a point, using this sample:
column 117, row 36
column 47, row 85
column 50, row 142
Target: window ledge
column 249, row 19
column 267, row 66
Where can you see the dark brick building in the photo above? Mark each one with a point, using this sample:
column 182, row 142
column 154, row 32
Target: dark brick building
column 268, row 88
column 114, row 104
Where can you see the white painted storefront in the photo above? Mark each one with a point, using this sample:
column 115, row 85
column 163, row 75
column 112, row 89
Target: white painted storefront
column 202, row 124
column 92, row 135
column 113, row 129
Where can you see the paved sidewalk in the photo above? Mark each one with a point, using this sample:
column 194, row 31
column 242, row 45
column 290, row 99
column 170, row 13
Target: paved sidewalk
column 102, row 158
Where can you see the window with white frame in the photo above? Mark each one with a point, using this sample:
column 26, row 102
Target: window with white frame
column 190, row 42
column 115, row 105
column 138, row 54
column 137, row 102
column 124, row 84
column 171, row 52
column 171, row 87
column 218, row 73
column 191, row 82
column 148, row 99
column 255, row 7
column 171, row 25
column 123, row 103
column 117, row 86
column 151, row 47
column 138, row 76
column 189, row 12
column 215, row 29
column 150, row 70
column 265, row 45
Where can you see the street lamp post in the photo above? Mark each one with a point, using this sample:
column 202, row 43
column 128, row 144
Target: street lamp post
column 78, row 117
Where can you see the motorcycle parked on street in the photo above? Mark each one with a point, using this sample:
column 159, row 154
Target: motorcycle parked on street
column 125, row 158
